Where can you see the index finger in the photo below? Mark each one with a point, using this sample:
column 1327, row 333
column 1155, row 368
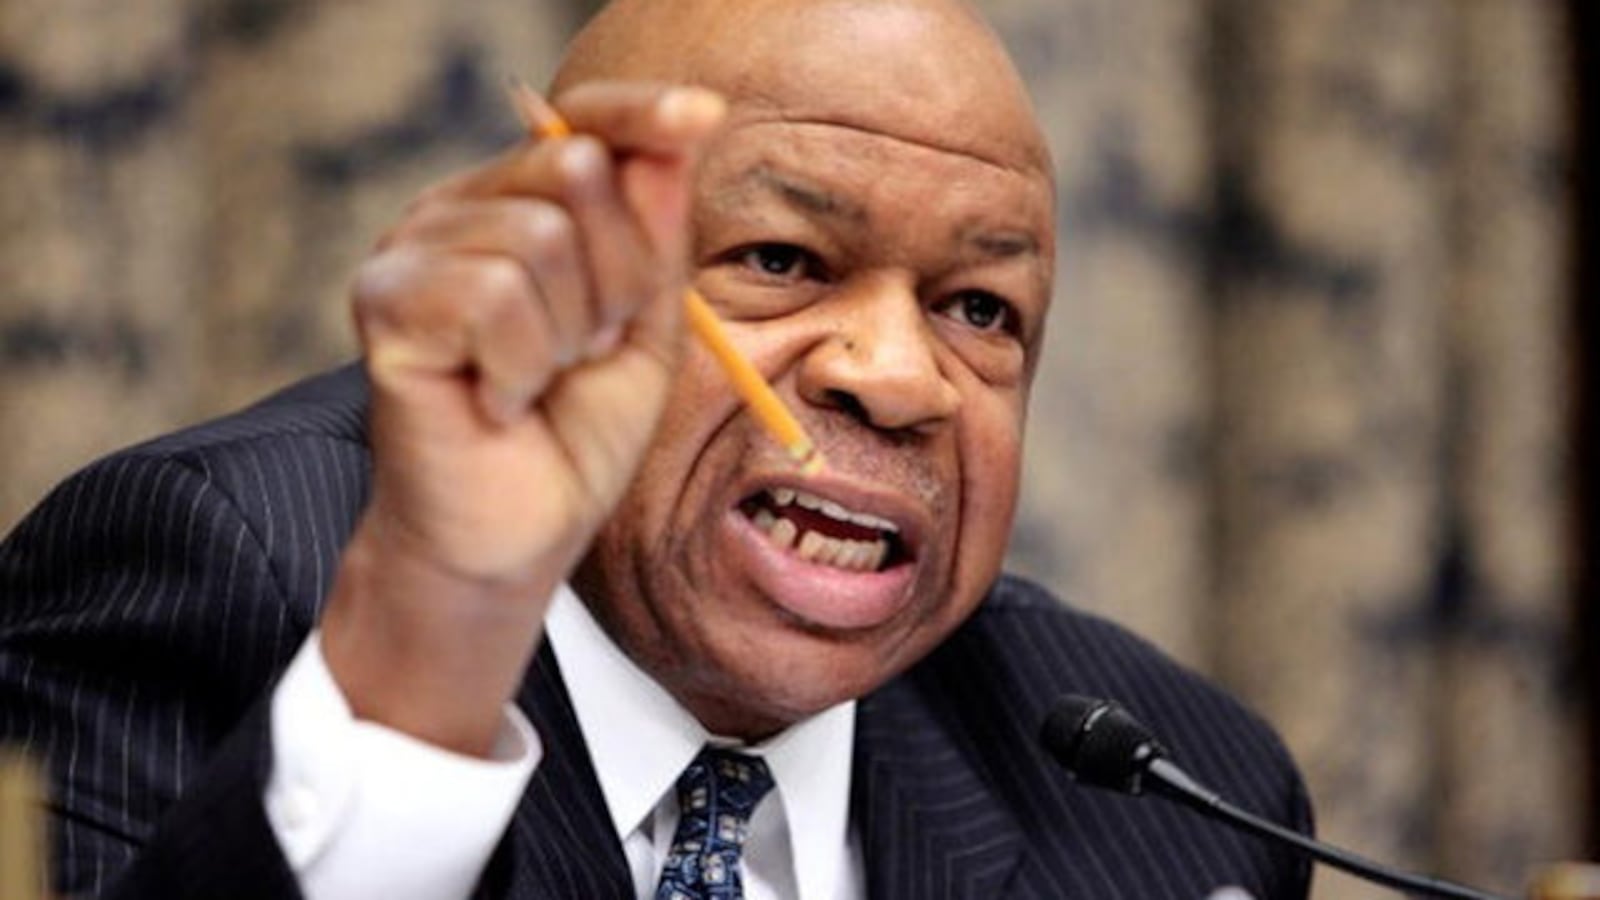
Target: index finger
column 643, row 117
column 654, row 120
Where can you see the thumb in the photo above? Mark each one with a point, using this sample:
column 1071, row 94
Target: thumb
column 660, row 186
column 659, row 189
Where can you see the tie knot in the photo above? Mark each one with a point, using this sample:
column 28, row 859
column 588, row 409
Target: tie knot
column 716, row 795
column 723, row 788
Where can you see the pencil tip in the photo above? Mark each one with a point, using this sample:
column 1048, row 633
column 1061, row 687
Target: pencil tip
column 811, row 462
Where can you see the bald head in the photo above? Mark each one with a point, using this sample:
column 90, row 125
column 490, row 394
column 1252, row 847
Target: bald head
column 929, row 71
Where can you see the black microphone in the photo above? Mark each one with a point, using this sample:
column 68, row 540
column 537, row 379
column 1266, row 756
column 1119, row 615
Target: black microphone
column 1103, row 745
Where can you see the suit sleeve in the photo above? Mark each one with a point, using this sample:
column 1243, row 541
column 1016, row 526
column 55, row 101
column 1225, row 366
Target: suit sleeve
column 141, row 627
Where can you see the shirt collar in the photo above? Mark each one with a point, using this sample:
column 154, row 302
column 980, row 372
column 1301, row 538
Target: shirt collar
column 621, row 709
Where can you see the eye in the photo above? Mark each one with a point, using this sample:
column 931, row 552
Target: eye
column 982, row 310
column 779, row 262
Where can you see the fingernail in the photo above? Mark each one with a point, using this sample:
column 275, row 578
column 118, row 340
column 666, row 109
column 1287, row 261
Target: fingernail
column 691, row 108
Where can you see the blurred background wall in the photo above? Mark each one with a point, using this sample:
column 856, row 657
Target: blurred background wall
column 1309, row 409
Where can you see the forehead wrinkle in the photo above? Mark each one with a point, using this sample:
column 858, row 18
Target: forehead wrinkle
column 1032, row 169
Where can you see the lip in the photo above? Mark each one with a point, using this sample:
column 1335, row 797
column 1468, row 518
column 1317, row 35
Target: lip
column 820, row 595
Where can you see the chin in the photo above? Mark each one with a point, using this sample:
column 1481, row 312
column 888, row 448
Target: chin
column 756, row 684
column 755, row 704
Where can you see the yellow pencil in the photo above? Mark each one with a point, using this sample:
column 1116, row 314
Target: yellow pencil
column 542, row 120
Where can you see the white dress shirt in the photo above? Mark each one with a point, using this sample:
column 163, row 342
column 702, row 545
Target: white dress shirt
column 362, row 810
column 640, row 739
column 344, row 794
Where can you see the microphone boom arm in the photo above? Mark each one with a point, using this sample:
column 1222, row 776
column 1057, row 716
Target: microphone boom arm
column 1169, row 780
column 1104, row 746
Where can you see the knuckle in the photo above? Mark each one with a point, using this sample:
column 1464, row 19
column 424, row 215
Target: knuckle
column 493, row 280
column 552, row 238
column 493, row 287
column 378, row 282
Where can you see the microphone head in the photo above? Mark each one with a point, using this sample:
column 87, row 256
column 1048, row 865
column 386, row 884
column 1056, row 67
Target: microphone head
column 1100, row 743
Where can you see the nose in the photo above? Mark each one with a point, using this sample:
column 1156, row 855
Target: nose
column 879, row 364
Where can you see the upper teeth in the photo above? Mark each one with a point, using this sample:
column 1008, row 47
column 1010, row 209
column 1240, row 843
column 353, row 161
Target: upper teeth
column 785, row 496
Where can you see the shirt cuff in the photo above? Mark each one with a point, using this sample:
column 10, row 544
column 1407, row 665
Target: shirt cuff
column 363, row 810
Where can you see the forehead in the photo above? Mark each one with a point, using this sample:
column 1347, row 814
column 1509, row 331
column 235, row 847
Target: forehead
column 859, row 178
column 922, row 74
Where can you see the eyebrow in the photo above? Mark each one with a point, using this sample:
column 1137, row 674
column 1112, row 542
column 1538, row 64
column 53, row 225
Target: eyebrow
column 808, row 197
column 1003, row 245
column 820, row 201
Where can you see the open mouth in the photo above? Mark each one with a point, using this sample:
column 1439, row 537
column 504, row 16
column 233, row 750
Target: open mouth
column 823, row 532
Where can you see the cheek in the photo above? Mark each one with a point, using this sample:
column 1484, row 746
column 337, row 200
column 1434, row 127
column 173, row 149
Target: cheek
column 643, row 552
column 991, row 449
column 697, row 414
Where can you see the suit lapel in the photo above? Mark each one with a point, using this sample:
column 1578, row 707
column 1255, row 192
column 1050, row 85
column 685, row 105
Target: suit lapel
column 561, row 842
column 930, row 825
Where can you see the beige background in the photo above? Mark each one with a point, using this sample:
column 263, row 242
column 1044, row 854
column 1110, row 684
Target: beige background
column 1305, row 413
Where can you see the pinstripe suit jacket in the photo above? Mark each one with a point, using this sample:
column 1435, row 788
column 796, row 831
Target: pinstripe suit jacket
column 149, row 603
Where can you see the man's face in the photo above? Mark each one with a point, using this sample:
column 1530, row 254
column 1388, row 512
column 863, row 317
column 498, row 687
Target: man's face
column 888, row 270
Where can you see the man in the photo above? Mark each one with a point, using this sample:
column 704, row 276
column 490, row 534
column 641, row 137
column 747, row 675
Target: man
column 860, row 190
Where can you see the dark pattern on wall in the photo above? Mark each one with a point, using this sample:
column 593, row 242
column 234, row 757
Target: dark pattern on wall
column 1304, row 418
column 1586, row 324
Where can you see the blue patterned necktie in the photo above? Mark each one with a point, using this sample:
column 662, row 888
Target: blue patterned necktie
column 716, row 795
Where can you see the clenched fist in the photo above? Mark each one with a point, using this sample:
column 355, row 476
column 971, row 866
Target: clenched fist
column 521, row 327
